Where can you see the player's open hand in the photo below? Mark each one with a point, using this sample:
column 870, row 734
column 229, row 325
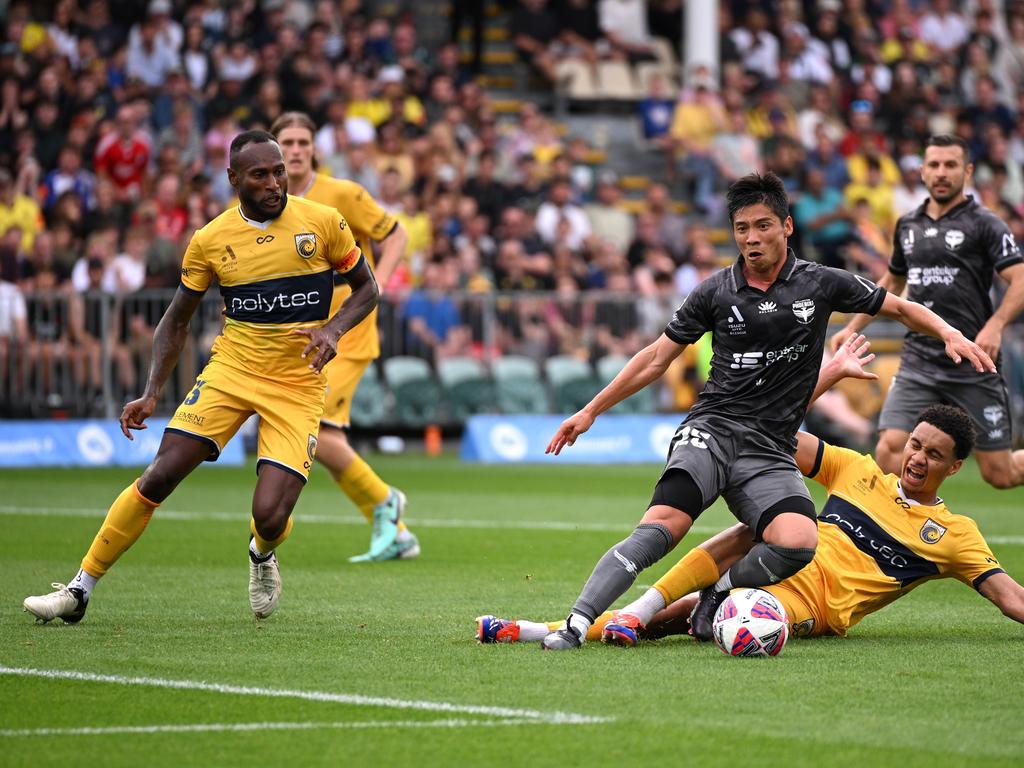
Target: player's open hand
column 852, row 356
column 570, row 429
column 135, row 413
column 990, row 338
column 841, row 337
column 323, row 341
column 958, row 347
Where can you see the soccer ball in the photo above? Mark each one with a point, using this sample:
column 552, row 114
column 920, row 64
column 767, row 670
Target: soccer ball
column 751, row 622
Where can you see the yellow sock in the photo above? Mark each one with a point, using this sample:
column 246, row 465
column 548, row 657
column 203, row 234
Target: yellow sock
column 695, row 571
column 124, row 523
column 594, row 633
column 366, row 490
column 265, row 546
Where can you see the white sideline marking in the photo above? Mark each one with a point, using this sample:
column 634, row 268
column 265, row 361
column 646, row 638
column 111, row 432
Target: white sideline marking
column 222, row 727
column 526, row 715
column 519, row 525
column 425, row 522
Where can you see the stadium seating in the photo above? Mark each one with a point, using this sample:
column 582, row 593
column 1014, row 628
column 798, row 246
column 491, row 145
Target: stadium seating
column 468, row 389
column 369, row 403
column 416, row 391
column 641, row 402
column 572, row 382
column 518, row 385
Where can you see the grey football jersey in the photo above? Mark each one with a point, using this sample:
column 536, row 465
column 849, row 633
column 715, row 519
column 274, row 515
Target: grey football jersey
column 949, row 264
column 767, row 345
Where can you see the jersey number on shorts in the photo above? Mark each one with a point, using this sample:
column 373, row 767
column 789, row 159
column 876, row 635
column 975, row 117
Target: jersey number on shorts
column 687, row 435
column 195, row 393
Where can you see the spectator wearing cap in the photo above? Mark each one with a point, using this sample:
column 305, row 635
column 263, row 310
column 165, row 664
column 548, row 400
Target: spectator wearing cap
column 18, row 210
column 910, row 192
column 401, row 103
column 608, row 221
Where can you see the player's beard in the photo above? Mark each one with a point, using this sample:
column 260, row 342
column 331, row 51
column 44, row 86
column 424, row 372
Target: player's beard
column 951, row 193
column 266, row 214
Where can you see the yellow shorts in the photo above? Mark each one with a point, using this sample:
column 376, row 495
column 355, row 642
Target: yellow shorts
column 343, row 377
column 224, row 397
column 804, row 598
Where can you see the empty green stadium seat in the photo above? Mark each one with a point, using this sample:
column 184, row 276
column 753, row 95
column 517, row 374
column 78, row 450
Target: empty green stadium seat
column 518, row 385
column 416, row 391
column 572, row 382
column 468, row 388
column 369, row 403
column 643, row 401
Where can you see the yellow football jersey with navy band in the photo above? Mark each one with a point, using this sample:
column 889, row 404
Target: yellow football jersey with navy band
column 274, row 276
column 369, row 222
column 875, row 545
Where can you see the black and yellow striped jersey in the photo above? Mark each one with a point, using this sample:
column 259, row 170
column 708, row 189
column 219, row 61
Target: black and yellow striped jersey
column 275, row 276
column 875, row 545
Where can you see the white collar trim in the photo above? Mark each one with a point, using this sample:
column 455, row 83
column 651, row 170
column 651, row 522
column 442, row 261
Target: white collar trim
column 262, row 225
column 899, row 490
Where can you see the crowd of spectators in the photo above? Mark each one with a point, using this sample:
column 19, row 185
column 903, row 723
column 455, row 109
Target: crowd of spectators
column 116, row 116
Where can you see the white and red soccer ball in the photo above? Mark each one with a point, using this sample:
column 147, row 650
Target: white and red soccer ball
column 751, row 622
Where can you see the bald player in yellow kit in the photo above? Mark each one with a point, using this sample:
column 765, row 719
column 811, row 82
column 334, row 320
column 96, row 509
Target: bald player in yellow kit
column 275, row 259
column 382, row 505
column 879, row 537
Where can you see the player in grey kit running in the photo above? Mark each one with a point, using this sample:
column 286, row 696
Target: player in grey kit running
column 946, row 253
column 768, row 315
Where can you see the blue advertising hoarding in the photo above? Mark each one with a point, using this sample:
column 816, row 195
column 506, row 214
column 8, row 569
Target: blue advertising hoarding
column 88, row 443
column 612, row 439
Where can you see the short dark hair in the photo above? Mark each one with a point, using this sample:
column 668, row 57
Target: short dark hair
column 955, row 422
column 950, row 140
column 755, row 188
column 244, row 139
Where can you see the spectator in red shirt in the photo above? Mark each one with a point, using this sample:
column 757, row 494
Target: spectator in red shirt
column 171, row 217
column 122, row 156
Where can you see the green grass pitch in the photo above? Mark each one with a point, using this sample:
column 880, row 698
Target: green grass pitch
column 377, row 664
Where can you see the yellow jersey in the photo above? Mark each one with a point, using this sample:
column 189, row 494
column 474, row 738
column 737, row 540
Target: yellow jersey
column 875, row 545
column 275, row 276
column 369, row 222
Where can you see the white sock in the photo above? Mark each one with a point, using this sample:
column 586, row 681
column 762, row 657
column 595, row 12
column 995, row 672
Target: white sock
column 532, row 631
column 85, row 582
column 403, row 535
column 256, row 550
column 645, row 606
column 579, row 623
column 724, row 584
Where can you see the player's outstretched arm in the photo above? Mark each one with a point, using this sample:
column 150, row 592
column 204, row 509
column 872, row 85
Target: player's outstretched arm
column 168, row 341
column 356, row 307
column 893, row 284
column 645, row 366
column 1006, row 593
column 918, row 317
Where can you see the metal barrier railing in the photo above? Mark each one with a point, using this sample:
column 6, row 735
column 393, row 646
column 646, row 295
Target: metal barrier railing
column 86, row 354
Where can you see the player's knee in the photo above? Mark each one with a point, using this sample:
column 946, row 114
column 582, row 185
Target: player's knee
column 790, row 523
column 783, row 562
column 270, row 523
column 997, row 475
column 157, row 483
